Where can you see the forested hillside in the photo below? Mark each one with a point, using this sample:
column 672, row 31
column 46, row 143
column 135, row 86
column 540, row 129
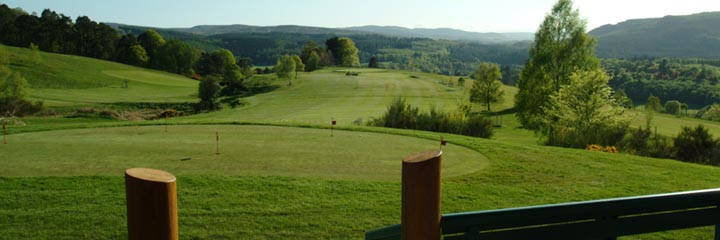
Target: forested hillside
column 265, row 46
column 696, row 35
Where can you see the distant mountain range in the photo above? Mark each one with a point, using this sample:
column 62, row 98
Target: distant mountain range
column 696, row 35
column 446, row 33
column 437, row 33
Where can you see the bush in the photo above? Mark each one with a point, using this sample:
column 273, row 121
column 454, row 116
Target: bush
column 402, row 115
column 19, row 107
column 695, row 145
column 673, row 107
column 479, row 126
column 636, row 142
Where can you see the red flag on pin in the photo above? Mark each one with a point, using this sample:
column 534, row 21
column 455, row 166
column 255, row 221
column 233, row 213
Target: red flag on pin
column 443, row 142
column 334, row 122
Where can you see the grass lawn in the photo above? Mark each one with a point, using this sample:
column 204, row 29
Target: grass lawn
column 61, row 178
column 244, row 150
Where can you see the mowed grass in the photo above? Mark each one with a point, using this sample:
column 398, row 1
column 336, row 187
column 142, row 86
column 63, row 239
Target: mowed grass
column 218, row 206
column 245, row 193
column 244, row 150
column 315, row 98
column 64, row 80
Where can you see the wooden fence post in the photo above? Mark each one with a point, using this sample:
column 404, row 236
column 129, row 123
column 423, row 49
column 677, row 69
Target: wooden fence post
column 151, row 204
column 421, row 196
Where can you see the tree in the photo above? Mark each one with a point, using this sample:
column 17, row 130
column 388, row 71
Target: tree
column 151, row 40
column 176, row 56
column 561, row 47
column 373, row 63
column 35, row 53
column 622, row 98
column 583, row 112
column 344, row 51
column 653, row 104
column 673, row 107
column 347, row 55
column 299, row 66
column 285, row 67
column 13, row 86
column 487, row 87
column 695, row 145
column 208, row 92
column 313, row 62
column 308, row 49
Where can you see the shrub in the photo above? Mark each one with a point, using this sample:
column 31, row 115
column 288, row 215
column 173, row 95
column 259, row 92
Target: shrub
column 673, row 107
column 636, row 142
column 19, row 107
column 479, row 126
column 401, row 115
column 695, row 145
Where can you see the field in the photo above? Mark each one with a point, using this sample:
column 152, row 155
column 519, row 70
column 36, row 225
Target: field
column 279, row 174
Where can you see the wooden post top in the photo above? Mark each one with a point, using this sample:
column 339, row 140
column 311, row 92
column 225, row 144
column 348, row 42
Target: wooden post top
column 422, row 156
column 149, row 174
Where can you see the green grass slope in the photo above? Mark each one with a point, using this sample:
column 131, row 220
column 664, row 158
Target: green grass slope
column 284, row 182
column 64, row 80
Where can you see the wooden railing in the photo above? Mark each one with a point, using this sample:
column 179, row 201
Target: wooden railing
column 599, row 219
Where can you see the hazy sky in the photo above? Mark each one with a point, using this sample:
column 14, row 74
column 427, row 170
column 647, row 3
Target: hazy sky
column 470, row 15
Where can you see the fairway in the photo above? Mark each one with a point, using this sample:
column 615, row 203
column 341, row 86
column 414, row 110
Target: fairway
column 244, row 150
column 315, row 98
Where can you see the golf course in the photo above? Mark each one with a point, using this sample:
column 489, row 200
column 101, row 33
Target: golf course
column 275, row 168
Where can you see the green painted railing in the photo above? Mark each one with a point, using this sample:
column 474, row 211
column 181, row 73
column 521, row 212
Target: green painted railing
column 599, row 219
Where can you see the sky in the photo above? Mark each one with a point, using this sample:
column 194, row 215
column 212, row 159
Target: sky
column 469, row 15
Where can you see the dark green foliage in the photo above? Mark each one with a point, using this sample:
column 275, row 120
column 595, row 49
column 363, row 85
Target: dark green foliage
column 673, row 107
column 57, row 33
column 373, row 63
column 313, row 62
column 670, row 36
column 19, row 107
column 152, row 41
column 478, row 126
column 176, row 56
column 623, row 99
column 691, row 81
column 400, row 114
column 696, row 145
column 653, row 104
column 208, row 92
column 636, row 142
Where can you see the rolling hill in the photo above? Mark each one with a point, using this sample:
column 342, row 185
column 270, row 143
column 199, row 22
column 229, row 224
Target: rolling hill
column 281, row 168
column 445, row 33
column 691, row 36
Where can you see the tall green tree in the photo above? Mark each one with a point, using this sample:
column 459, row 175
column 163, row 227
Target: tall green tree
column 208, row 92
column 13, row 85
column 561, row 47
column 152, row 41
column 299, row 66
column 307, row 50
column 584, row 112
column 347, row 53
column 487, row 87
column 176, row 56
column 285, row 67
column 373, row 63
column 653, row 104
column 313, row 62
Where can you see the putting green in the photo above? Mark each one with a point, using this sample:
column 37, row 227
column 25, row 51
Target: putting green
column 244, row 150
